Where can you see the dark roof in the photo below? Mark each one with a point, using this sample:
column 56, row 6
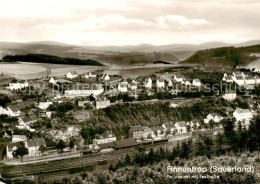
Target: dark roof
column 196, row 80
column 17, row 144
column 181, row 123
column 36, row 142
column 74, row 73
column 169, row 125
column 125, row 143
column 107, row 145
column 160, row 80
column 157, row 129
column 137, row 128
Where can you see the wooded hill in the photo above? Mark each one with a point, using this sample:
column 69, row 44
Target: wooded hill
column 42, row 58
column 224, row 56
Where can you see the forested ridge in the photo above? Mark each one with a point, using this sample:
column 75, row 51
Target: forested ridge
column 43, row 58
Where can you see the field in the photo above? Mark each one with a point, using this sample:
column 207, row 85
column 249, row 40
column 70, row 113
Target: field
column 135, row 70
column 254, row 64
column 38, row 70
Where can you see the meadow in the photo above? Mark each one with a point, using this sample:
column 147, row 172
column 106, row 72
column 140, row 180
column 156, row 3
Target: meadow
column 254, row 64
column 23, row 70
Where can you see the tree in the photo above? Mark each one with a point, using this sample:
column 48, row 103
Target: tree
column 21, row 151
column 188, row 128
column 4, row 99
column 71, row 144
column 211, row 124
column 42, row 149
column 92, row 98
column 111, row 167
column 127, row 160
column 185, row 150
column 151, row 156
column 61, row 145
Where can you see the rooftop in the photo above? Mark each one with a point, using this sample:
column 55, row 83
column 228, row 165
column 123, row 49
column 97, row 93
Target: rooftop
column 36, row 142
column 181, row 123
column 16, row 144
column 124, row 143
column 242, row 111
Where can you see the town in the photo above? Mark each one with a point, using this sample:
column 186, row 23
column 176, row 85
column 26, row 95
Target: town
column 42, row 119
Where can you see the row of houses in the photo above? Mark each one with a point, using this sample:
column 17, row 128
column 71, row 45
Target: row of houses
column 74, row 74
column 241, row 79
column 160, row 83
column 14, row 86
column 160, row 132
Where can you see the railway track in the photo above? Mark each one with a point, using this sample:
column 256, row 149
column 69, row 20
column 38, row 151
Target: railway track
column 62, row 165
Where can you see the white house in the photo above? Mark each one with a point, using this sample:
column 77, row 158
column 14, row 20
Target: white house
column 139, row 132
column 215, row 117
column 52, row 81
column 122, row 86
column 239, row 74
column 133, row 85
column 178, row 78
column 91, row 75
column 160, row 83
column 149, row 83
column 106, row 137
column 243, row 116
column 10, row 148
column 18, row 138
column 257, row 80
column 44, row 105
column 196, row 82
column 33, row 146
column 229, row 95
column 186, row 82
column 102, row 103
column 227, row 78
column 194, row 125
column 18, row 85
column 249, row 80
column 170, row 83
column 72, row 75
column 105, row 77
column 181, row 127
column 239, row 80
column 169, row 127
column 157, row 132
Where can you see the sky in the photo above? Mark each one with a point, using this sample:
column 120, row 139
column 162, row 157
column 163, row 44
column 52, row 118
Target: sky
column 130, row 22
